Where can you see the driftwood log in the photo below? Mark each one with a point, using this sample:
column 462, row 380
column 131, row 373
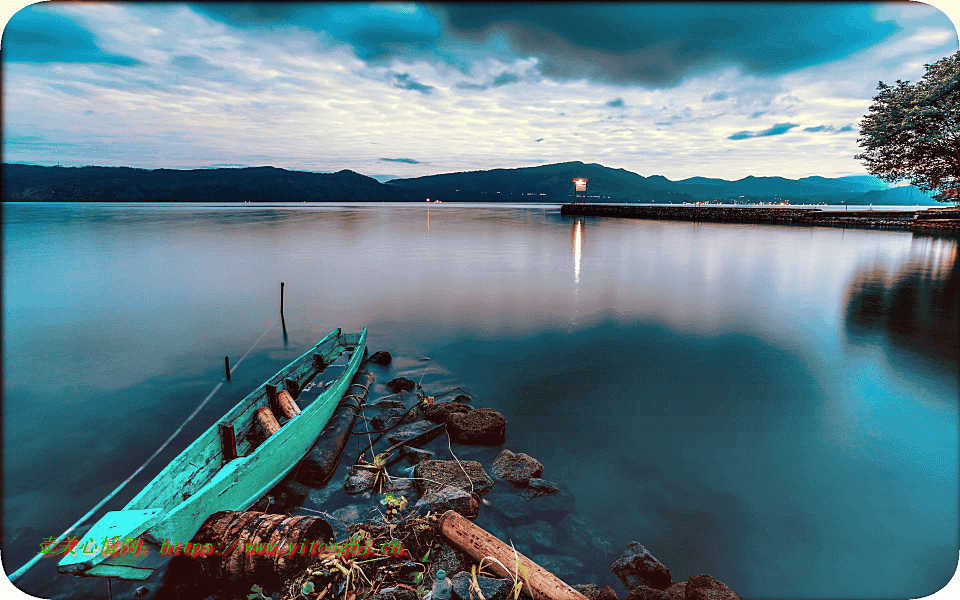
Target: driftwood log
column 539, row 584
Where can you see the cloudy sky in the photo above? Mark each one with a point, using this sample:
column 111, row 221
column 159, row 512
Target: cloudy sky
column 713, row 89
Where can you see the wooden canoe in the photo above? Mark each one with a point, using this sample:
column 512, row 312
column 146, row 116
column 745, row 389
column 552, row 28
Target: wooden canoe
column 205, row 478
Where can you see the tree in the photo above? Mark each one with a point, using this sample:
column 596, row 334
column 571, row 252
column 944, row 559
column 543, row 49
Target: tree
column 913, row 131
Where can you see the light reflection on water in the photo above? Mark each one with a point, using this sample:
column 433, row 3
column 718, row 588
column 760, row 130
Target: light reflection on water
column 775, row 406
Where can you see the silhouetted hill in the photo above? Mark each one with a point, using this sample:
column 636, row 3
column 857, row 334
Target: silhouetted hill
column 125, row 184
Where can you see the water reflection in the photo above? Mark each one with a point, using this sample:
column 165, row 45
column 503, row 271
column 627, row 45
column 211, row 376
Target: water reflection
column 914, row 306
column 577, row 236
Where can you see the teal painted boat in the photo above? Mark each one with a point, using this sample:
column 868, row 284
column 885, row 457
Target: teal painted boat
column 206, row 478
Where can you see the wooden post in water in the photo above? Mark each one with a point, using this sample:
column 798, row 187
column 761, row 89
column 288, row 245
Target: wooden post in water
column 281, row 300
column 226, row 366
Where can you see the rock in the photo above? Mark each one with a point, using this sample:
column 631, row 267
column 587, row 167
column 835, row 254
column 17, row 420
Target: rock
column 141, row 591
column 449, row 498
column 406, row 432
column 638, row 567
column 432, row 475
column 448, row 559
column 642, row 592
column 589, row 590
column 677, row 591
column 383, row 404
column 395, row 593
column 415, row 455
column 538, row 487
column 492, row 589
column 359, row 480
column 607, row 593
column 441, row 411
column 462, row 398
column 705, row 587
column 342, row 518
column 536, row 533
column 318, row 499
column 386, row 417
column 482, row 426
column 381, row 358
column 516, row 467
column 579, row 533
column 565, row 567
column 400, row 384
column 553, row 507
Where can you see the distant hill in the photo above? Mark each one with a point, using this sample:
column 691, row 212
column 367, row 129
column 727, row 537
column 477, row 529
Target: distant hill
column 552, row 183
column 254, row 184
column 543, row 184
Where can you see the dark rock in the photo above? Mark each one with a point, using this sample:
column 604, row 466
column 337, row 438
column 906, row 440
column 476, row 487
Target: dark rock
column 141, row 591
column 536, row 533
column 432, row 475
column 449, row 559
column 677, row 591
column 389, row 404
column 516, row 467
column 395, row 593
column 406, row 432
column 553, row 507
column 482, row 426
column 589, row 590
column 342, row 518
column 539, row 487
column 705, row 587
column 359, row 480
column 642, row 592
column 462, row 398
column 400, row 384
column 441, row 411
column 566, row 568
column 416, row 455
column 381, row 358
column 401, row 486
column 449, row 498
column 607, row 593
column 492, row 589
column 638, row 567
column 386, row 417
column 579, row 533
column 320, row 499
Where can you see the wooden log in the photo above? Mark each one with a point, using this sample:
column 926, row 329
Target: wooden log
column 226, row 366
column 228, row 441
column 539, row 584
column 266, row 420
column 288, row 408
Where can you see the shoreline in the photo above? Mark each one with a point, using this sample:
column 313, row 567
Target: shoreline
column 915, row 221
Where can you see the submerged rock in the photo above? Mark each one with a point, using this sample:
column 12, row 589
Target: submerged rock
column 433, row 475
column 482, row 426
column 406, row 432
column 441, row 411
column 539, row 487
column 516, row 467
column 382, row 404
column 381, row 358
column 386, row 417
column 565, row 567
column 705, row 587
column 416, row 455
column 538, row 533
column 401, row 384
column 579, row 533
column 492, row 589
column 638, row 567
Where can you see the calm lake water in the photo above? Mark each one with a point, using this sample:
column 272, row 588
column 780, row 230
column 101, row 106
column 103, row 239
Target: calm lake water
column 774, row 406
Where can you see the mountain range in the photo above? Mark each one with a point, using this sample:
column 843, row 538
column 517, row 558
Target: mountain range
column 543, row 184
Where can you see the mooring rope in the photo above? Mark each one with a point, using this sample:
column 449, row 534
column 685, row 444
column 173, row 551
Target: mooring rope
column 16, row 574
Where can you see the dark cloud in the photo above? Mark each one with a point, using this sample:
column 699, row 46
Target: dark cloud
column 405, row 82
column 845, row 128
column 646, row 43
column 539, row 140
column 716, row 97
column 778, row 129
column 402, row 160
column 615, row 103
column 34, row 35
column 505, row 78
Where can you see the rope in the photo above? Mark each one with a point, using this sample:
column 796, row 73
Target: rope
column 16, row 574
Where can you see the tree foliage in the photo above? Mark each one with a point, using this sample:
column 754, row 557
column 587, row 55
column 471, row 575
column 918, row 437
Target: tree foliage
column 913, row 131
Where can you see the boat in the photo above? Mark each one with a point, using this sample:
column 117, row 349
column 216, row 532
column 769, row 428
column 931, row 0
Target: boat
column 230, row 466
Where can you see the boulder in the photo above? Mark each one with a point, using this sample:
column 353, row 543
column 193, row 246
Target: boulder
column 415, row 455
column 537, row 487
column 385, row 417
column 381, row 358
column 482, row 426
column 492, row 589
column 359, row 480
column 705, row 587
column 580, row 534
column 536, row 533
column 516, row 467
column 642, row 592
column 449, row 498
column 406, row 432
column 677, row 591
column 590, row 591
column 638, row 567
column 449, row 559
column 433, row 475
column 566, row 568
column 462, row 398
column 441, row 411
column 401, row 384
column 607, row 593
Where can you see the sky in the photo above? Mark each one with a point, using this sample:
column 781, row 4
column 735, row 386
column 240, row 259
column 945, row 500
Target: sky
column 404, row 90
